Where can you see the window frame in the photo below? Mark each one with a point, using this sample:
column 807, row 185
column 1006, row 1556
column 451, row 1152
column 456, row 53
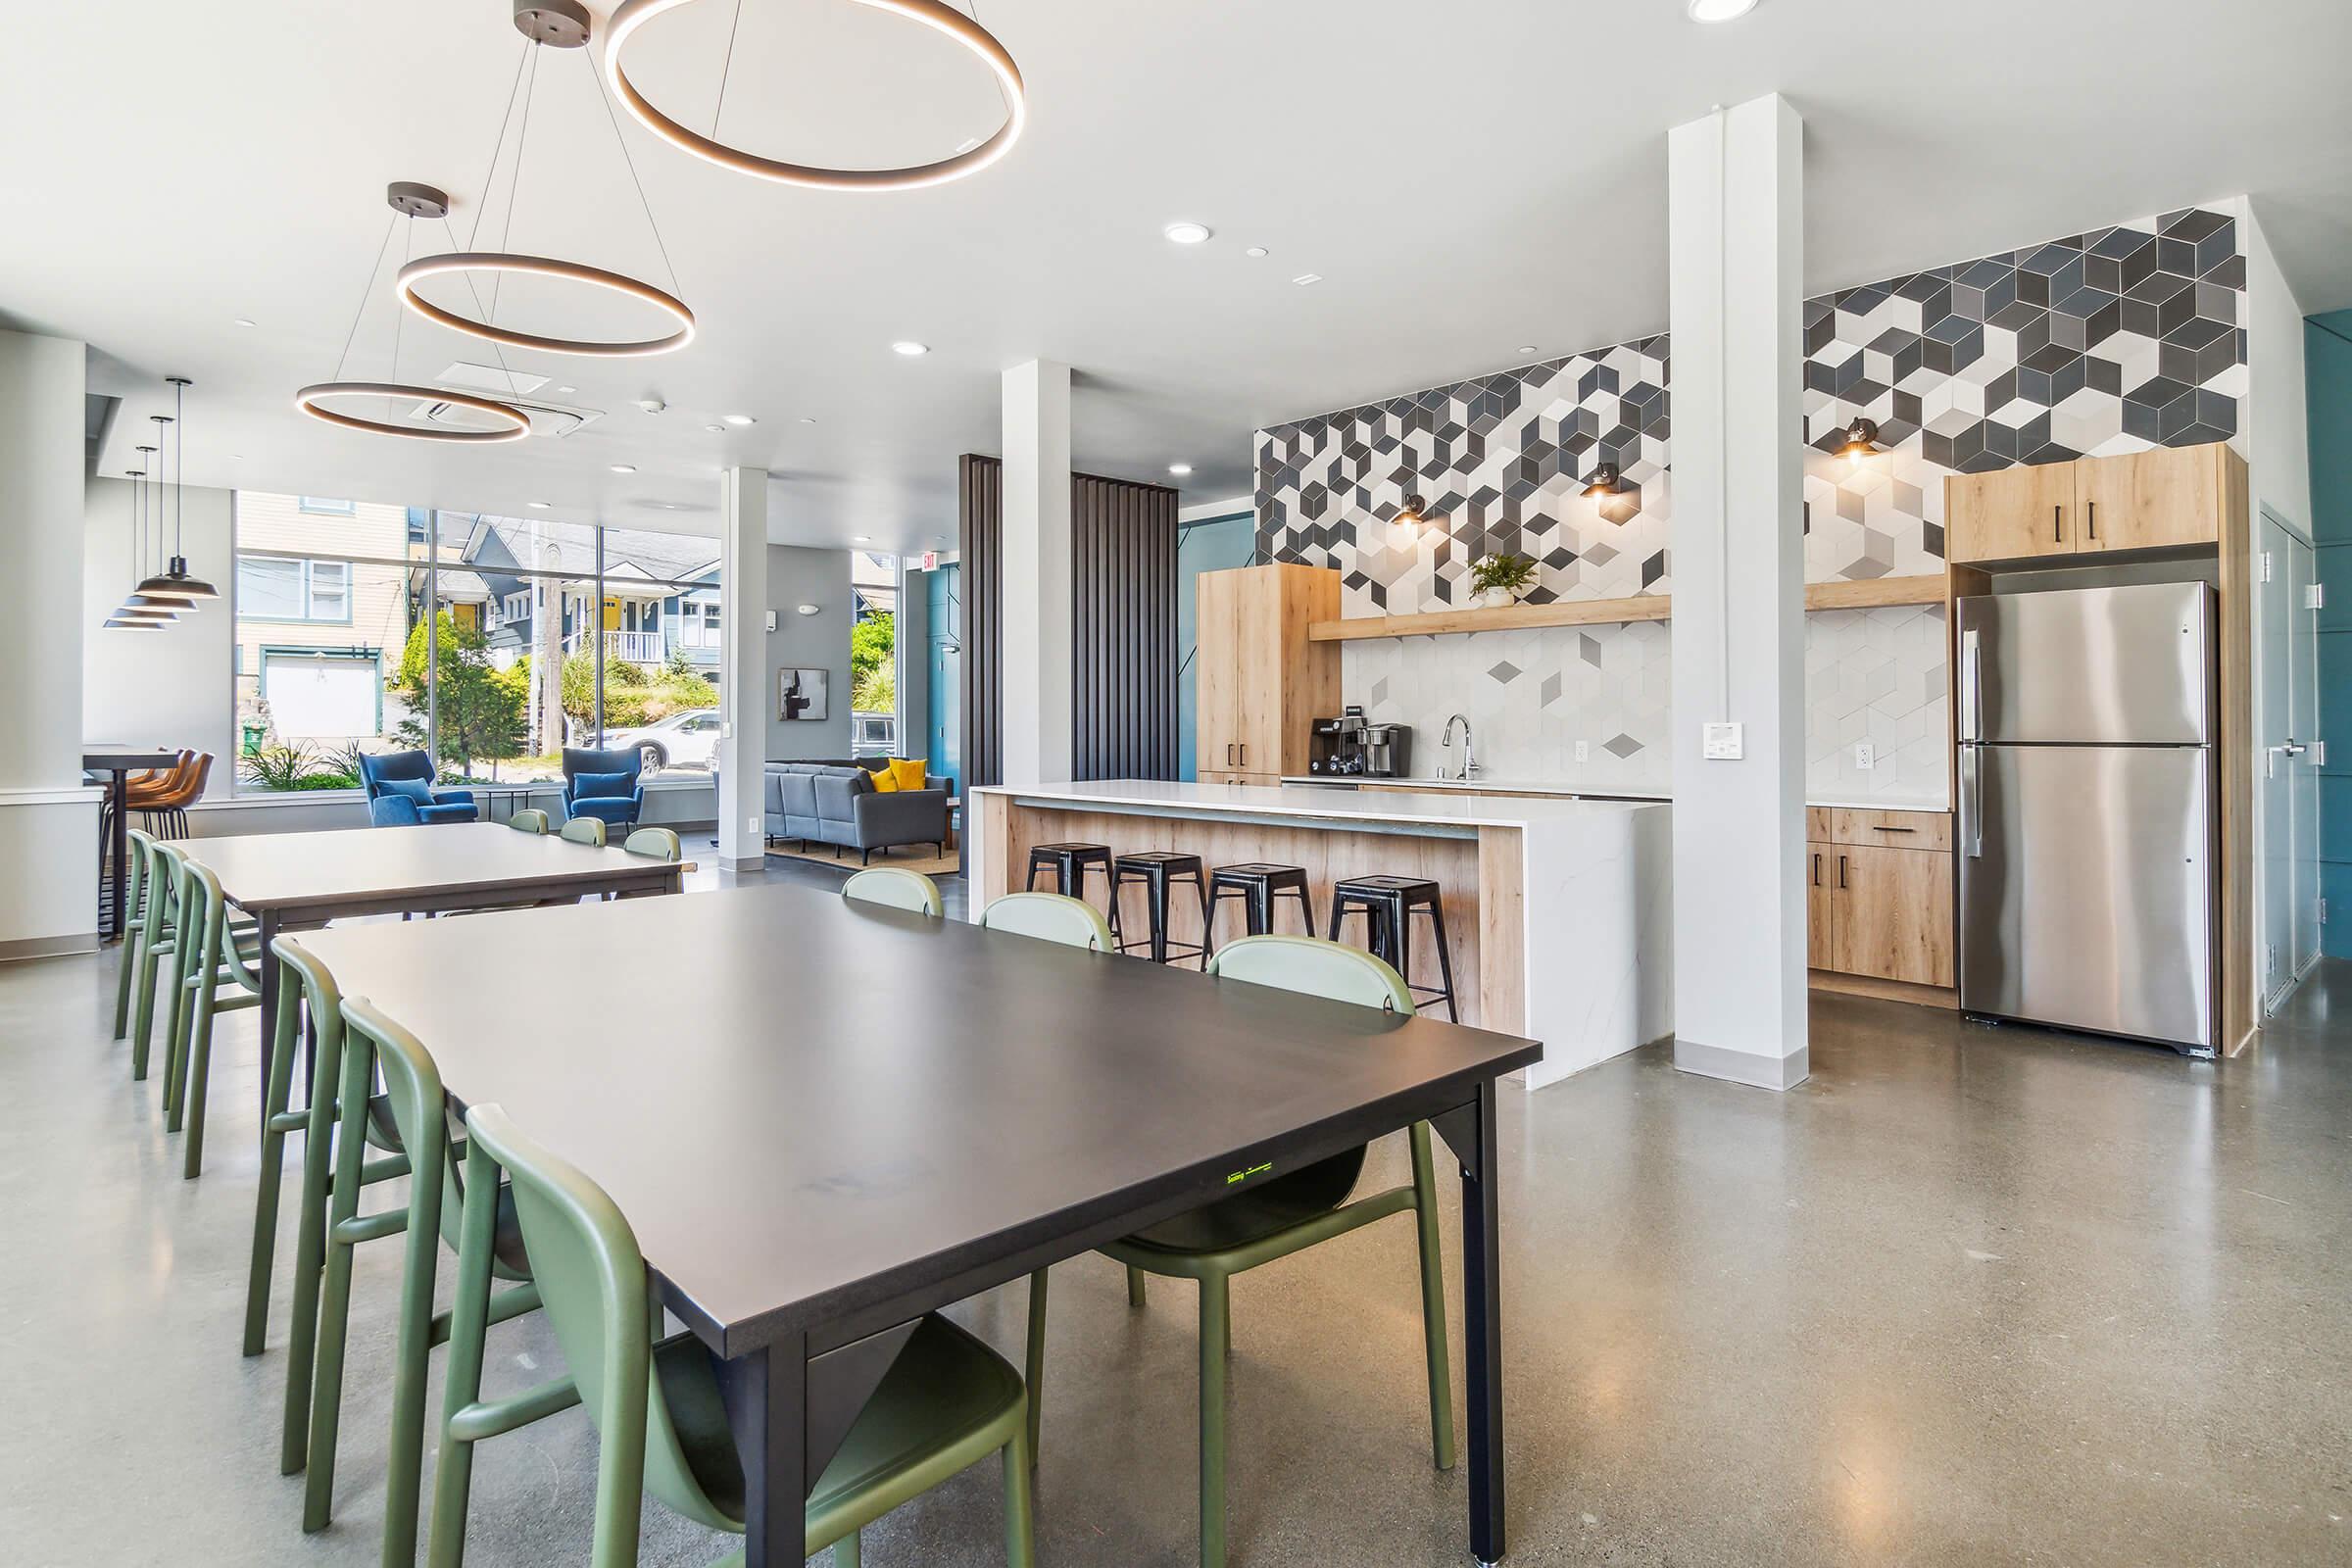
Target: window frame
column 307, row 581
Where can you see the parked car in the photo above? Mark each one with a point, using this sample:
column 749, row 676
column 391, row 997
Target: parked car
column 873, row 734
column 685, row 739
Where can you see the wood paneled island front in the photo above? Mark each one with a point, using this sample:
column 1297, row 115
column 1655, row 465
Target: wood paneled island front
column 1558, row 912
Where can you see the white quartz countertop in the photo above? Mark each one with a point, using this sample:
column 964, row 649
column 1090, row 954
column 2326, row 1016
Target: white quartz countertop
column 1437, row 807
column 1883, row 803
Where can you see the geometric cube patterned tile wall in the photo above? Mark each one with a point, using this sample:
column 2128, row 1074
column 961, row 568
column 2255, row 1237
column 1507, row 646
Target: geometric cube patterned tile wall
column 2108, row 341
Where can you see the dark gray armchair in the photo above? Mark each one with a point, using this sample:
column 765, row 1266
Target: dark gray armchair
column 837, row 803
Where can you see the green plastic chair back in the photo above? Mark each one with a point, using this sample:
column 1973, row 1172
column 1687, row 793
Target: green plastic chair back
column 529, row 820
column 137, row 842
column 165, row 860
column 1049, row 917
column 592, row 1284
column 899, row 888
column 655, row 844
column 584, row 830
column 206, row 908
column 412, row 1091
column 1317, row 968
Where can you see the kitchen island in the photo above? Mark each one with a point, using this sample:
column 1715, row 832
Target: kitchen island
column 1558, row 912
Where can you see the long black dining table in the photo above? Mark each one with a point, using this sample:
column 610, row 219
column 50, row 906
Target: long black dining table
column 118, row 763
column 869, row 1114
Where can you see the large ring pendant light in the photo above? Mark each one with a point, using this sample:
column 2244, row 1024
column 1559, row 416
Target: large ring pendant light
column 633, row 15
column 548, row 24
column 312, row 400
column 410, row 200
column 425, row 267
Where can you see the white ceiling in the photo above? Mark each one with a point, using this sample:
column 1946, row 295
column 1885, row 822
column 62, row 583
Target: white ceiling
column 1467, row 178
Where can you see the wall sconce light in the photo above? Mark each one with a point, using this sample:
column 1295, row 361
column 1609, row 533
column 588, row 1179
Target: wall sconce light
column 1861, row 440
column 1415, row 510
column 805, row 609
column 1603, row 482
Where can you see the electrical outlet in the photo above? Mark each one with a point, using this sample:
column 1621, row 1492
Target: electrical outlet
column 1722, row 743
column 1584, row 751
column 1866, row 755
column 751, row 824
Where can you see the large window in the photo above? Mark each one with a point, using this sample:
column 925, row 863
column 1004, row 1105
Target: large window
column 493, row 642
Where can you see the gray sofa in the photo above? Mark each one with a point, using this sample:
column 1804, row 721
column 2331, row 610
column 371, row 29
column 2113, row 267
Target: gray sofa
column 834, row 801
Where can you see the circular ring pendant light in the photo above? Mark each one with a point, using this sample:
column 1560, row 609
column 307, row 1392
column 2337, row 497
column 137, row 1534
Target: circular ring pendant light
column 632, row 15
column 410, row 200
column 547, row 24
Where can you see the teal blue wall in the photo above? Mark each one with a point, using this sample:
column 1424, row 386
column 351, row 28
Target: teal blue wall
column 943, row 724
column 1212, row 545
column 2328, row 367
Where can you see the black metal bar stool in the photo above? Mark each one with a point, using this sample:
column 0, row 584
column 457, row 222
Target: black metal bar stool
column 1155, row 869
column 1255, row 883
column 1069, row 863
column 1387, row 903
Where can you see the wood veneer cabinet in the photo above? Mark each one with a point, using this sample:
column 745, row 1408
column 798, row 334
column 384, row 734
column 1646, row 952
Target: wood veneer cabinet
column 2161, row 498
column 1261, row 682
column 1879, row 896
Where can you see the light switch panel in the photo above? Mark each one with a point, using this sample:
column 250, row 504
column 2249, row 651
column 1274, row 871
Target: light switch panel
column 1720, row 743
column 1866, row 755
column 1584, row 751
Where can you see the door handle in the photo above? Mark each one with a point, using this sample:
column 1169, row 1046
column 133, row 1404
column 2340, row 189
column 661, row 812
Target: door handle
column 1971, row 769
column 2057, row 525
column 1229, row 753
column 1244, row 755
column 1842, row 871
column 2090, row 520
column 1895, row 830
column 1817, row 868
column 1972, row 686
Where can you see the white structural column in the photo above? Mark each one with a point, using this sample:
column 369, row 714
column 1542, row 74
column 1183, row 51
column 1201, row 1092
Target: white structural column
column 744, row 676
column 48, row 818
column 1735, row 208
column 1036, row 554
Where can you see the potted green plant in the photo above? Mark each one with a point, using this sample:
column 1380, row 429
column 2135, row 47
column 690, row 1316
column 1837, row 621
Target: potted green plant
column 1500, row 580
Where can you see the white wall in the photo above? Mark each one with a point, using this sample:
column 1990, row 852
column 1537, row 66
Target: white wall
column 159, row 689
column 797, row 575
column 2277, row 438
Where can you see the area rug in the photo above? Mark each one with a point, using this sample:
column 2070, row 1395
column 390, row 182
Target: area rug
column 907, row 858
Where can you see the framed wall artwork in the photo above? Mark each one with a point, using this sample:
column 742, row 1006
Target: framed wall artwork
column 799, row 693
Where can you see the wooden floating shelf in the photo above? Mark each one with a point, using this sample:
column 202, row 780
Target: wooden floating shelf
column 1839, row 594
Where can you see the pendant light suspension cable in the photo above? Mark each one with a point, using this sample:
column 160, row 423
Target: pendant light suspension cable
column 176, row 581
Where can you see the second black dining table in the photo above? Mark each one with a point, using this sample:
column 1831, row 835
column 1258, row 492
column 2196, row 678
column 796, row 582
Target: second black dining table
column 802, row 1182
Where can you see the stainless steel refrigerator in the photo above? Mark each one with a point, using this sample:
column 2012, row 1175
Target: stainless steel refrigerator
column 2088, row 811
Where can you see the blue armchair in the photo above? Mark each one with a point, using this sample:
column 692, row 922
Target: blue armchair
column 603, row 785
column 401, row 794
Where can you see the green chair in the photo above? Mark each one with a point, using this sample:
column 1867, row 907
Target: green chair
column 1051, row 917
column 220, row 971
column 419, row 1115
column 159, row 934
column 589, row 830
column 901, row 890
column 1291, row 1213
column 653, row 843
column 947, row 1403
column 135, row 924
column 528, row 820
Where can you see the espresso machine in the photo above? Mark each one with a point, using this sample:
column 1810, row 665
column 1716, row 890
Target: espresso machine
column 1334, row 747
column 1388, row 751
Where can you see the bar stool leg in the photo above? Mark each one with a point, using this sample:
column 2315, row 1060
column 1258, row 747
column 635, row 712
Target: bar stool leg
column 1306, row 911
column 1339, row 913
column 1437, row 921
column 1156, row 889
column 1200, row 886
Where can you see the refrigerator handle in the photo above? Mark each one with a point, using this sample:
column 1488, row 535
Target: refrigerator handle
column 1972, row 814
column 1972, row 686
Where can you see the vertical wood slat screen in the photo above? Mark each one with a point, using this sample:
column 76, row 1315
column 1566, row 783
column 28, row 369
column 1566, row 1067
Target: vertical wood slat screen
column 1123, row 653
column 980, row 537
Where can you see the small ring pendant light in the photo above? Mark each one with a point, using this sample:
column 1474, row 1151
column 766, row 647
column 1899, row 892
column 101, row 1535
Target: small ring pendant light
column 548, row 24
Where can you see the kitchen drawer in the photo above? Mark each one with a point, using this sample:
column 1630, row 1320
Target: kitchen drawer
column 1817, row 825
column 1898, row 830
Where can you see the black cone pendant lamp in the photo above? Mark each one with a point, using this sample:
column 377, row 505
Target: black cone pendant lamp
column 176, row 581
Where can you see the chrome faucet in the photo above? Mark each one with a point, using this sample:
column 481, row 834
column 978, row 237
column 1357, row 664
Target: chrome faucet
column 1470, row 768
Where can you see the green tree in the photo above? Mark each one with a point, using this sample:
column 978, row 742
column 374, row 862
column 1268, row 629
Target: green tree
column 479, row 706
column 873, row 672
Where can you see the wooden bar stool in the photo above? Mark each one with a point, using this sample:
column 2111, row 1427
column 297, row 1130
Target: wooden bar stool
column 1256, row 883
column 1387, row 903
column 1069, row 863
column 1155, row 869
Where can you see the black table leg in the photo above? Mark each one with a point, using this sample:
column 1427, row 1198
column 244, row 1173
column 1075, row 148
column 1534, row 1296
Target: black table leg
column 1482, row 1310
column 117, row 835
column 768, row 1406
column 268, row 1008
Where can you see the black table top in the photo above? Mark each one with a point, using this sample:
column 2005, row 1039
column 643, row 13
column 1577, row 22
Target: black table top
column 807, row 1105
column 124, row 758
column 297, row 871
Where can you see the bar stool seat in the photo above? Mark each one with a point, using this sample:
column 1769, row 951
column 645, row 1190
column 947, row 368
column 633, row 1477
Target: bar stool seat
column 1387, row 903
column 1256, row 883
column 1155, row 869
column 1069, row 863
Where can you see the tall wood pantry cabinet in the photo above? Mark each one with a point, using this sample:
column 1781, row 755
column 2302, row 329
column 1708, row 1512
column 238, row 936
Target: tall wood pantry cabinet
column 1261, row 682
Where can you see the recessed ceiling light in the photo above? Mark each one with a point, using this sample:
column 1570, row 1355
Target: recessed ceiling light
column 236, row 457
column 739, row 419
column 541, row 505
column 1185, row 232
column 967, row 144
column 568, row 389
column 716, row 429
column 1527, row 348
column 244, row 320
column 1254, row 252
column 909, row 347
column 861, row 538
column 1720, row 10
column 1180, row 470
column 806, row 419
column 624, row 468
column 1306, row 278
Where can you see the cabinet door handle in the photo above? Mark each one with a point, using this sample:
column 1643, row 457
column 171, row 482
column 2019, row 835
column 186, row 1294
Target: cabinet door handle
column 1245, row 754
column 1817, row 868
column 2057, row 527
column 2090, row 516
column 1842, row 871
column 1229, row 753
column 1895, row 830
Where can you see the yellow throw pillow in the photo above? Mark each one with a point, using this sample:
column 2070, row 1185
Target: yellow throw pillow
column 908, row 775
column 884, row 780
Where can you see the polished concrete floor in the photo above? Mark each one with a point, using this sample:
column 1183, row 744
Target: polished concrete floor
column 1968, row 1296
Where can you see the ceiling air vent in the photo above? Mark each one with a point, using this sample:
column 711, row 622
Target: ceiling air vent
column 547, row 418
